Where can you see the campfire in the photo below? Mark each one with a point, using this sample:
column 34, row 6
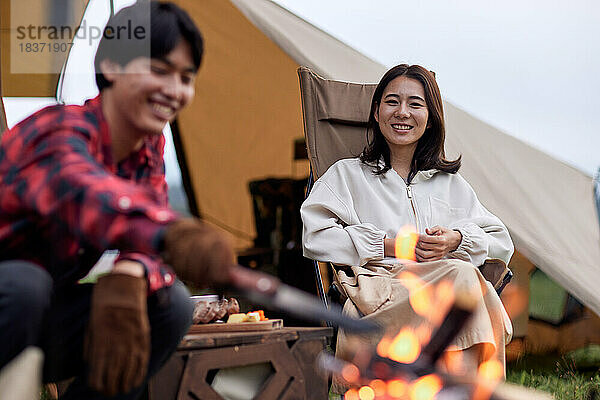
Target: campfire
column 414, row 363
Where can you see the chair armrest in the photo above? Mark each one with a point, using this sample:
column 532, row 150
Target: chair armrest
column 497, row 273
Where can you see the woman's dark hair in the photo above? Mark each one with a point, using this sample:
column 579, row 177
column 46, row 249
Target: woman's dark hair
column 429, row 153
column 126, row 36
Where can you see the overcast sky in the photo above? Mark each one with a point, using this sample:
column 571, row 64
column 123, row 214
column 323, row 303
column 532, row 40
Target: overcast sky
column 528, row 67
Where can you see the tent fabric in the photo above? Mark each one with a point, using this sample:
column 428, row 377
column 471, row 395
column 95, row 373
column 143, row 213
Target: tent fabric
column 308, row 45
column 597, row 193
column 17, row 78
column 243, row 120
column 247, row 97
column 546, row 204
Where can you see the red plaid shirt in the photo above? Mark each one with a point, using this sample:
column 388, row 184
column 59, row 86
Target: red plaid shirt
column 63, row 201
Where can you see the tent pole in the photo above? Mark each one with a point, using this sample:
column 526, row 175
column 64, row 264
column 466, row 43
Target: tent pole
column 3, row 124
column 185, row 172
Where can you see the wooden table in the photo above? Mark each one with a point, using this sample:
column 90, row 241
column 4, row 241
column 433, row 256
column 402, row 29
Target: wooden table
column 291, row 352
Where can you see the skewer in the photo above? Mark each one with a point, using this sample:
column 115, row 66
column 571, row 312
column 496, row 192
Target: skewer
column 459, row 314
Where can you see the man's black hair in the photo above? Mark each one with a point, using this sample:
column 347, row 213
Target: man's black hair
column 126, row 35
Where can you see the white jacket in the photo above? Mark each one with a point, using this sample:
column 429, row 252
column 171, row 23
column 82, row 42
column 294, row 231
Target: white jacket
column 350, row 211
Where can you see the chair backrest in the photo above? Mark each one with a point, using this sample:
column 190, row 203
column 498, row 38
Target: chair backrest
column 335, row 118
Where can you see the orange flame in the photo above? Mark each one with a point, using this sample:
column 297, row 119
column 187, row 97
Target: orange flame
column 444, row 297
column 397, row 388
column 366, row 393
column 350, row 373
column 427, row 300
column 420, row 295
column 383, row 347
column 515, row 300
column 425, row 388
column 379, row 387
column 405, row 347
column 421, row 300
column 488, row 375
column 423, row 332
column 410, row 280
column 454, row 361
column 491, row 370
column 351, row 394
column 406, row 242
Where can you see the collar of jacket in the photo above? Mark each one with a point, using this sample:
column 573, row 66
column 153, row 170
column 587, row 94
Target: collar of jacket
column 419, row 176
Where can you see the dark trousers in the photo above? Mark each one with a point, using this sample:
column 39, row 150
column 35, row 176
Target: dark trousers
column 33, row 312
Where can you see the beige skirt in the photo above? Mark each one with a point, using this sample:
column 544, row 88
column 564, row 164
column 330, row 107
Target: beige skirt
column 380, row 293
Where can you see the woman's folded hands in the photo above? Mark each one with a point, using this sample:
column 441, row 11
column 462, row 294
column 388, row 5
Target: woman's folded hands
column 436, row 243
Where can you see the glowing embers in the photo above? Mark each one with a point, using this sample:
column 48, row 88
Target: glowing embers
column 406, row 242
column 397, row 389
column 415, row 364
column 350, row 373
column 405, row 347
column 489, row 375
column 421, row 361
column 427, row 300
column 425, row 388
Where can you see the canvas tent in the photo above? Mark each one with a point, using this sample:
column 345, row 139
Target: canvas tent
column 246, row 115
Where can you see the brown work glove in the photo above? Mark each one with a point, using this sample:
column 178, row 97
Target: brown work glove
column 117, row 345
column 197, row 252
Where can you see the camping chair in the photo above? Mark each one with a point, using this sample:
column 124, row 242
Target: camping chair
column 335, row 120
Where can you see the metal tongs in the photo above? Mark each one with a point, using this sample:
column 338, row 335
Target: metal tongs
column 271, row 292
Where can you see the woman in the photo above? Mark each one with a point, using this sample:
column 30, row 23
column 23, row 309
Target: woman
column 403, row 178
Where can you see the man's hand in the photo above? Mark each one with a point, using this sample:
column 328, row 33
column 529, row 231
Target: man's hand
column 117, row 345
column 436, row 243
column 197, row 252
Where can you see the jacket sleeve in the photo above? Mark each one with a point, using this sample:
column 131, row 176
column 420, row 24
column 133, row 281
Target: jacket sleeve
column 157, row 174
column 156, row 271
column 484, row 236
column 332, row 232
column 62, row 181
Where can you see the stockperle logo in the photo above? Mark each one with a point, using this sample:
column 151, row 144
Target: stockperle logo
column 43, row 33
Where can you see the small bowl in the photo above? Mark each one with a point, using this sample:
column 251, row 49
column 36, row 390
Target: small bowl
column 207, row 297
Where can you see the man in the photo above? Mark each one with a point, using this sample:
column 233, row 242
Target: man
column 78, row 180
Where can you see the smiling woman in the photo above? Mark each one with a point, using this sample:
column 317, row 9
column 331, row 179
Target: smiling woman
column 408, row 94
column 357, row 207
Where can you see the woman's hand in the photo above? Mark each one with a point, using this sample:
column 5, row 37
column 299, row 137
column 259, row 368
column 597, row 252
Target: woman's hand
column 436, row 243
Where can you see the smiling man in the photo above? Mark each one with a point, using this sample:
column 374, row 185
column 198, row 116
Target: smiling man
column 78, row 180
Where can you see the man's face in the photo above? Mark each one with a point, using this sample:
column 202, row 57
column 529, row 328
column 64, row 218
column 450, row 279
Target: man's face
column 149, row 92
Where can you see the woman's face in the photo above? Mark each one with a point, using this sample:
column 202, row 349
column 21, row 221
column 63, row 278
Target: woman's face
column 402, row 112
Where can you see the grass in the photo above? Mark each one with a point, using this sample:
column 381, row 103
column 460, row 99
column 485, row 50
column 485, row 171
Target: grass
column 573, row 376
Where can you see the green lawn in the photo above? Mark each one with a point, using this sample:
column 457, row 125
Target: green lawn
column 574, row 376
